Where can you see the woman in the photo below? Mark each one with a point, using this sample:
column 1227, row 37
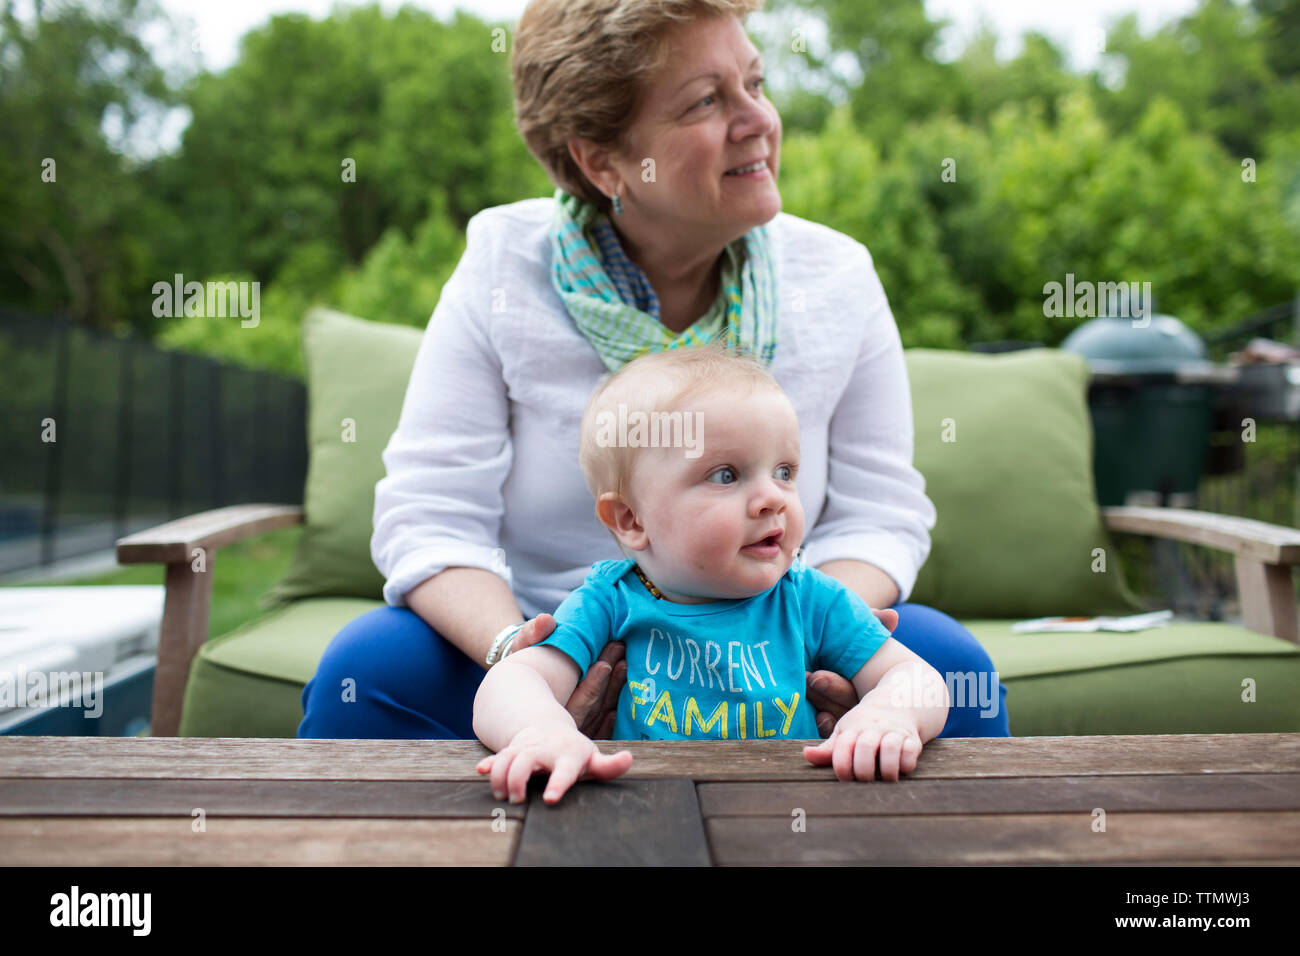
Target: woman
column 665, row 230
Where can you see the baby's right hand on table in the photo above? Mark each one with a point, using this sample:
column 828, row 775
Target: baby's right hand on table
column 565, row 751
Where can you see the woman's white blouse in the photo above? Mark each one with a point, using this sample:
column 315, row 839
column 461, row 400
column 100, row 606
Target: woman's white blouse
column 482, row 470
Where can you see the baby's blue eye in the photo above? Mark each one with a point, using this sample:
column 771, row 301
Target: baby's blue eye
column 787, row 468
column 722, row 471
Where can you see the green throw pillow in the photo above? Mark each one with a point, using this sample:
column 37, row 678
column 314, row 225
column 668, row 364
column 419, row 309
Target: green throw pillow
column 1005, row 444
column 357, row 373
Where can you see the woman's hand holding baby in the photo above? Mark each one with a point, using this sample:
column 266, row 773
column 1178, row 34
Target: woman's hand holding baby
column 833, row 696
column 594, row 701
column 865, row 731
column 559, row 747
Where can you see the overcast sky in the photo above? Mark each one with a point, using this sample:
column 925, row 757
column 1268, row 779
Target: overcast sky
column 1072, row 23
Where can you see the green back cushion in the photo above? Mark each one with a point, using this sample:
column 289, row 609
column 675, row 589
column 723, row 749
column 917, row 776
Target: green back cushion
column 356, row 379
column 1005, row 444
column 1017, row 517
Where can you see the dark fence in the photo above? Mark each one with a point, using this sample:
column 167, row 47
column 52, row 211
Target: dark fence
column 102, row 435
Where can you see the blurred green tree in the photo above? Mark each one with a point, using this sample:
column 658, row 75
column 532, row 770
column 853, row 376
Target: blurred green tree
column 338, row 160
column 892, row 44
column 76, row 85
column 338, row 130
column 966, row 257
column 1213, row 63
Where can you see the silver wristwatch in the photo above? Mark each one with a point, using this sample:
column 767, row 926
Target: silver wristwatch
column 501, row 644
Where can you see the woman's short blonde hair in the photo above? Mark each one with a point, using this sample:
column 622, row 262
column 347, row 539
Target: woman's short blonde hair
column 580, row 69
column 660, row 382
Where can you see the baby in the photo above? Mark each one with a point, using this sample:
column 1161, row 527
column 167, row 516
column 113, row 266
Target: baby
column 691, row 455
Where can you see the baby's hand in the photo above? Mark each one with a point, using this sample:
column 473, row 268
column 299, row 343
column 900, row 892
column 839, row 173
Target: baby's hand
column 852, row 746
column 560, row 748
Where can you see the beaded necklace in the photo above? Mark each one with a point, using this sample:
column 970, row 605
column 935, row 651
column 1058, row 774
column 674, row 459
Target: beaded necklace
column 646, row 581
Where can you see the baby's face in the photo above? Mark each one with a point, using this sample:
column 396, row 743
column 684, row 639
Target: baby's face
column 706, row 518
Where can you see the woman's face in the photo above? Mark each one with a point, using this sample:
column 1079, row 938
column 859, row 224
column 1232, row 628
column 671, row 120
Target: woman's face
column 696, row 126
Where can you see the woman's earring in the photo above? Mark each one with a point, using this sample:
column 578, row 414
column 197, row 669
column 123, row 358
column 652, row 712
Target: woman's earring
column 618, row 205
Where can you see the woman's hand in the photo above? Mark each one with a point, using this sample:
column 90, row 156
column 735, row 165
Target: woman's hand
column 834, row 696
column 594, row 701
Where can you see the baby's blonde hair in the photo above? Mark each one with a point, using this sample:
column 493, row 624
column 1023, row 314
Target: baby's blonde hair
column 658, row 382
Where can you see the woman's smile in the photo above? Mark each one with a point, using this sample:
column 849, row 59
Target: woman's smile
column 751, row 172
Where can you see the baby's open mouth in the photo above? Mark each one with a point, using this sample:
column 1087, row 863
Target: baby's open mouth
column 771, row 541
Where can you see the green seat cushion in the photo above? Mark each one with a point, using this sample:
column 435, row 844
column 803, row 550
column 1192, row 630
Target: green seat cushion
column 249, row 682
column 1005, row 445
column 1182, row 679
column 356, row 380
column 1187, row 678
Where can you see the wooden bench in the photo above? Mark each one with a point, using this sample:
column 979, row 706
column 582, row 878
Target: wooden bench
column 1264, row 555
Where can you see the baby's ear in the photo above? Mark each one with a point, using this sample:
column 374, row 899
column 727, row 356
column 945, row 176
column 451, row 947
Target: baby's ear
column 617, row 515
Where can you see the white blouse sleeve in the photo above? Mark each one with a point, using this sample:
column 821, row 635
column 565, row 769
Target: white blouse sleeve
column 876, row 508
column 440, row 504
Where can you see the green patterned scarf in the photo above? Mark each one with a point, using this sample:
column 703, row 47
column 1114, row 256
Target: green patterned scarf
column 611, row 301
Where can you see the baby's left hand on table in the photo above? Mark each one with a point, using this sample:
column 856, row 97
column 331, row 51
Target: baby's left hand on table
column 861, row 734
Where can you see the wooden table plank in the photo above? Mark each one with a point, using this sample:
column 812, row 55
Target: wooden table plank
column 1167, row 863
column 128, row 801
column 1072, row 863
column 250, row 798
column 983, row 757
column 135, row 841
column 1168, row 792
column 1028, row 838
column 619, row 823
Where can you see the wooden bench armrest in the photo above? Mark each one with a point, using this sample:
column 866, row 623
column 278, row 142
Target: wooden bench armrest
column 1245, row 537
column 1263, row 554
column 188, row 547
column 176, row 540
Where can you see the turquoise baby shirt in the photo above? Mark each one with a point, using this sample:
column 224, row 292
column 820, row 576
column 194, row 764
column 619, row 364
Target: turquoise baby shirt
column 725, row 670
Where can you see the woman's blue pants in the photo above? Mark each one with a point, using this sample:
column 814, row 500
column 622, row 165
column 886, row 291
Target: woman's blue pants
column 388, row 675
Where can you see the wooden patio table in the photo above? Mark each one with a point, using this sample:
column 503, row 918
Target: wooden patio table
column 1179, row 799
